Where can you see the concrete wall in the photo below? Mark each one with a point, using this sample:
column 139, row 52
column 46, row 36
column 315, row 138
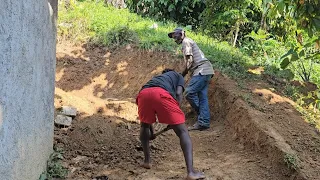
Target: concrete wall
column 27, row 68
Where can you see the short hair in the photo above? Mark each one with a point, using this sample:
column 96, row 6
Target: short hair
column 167, row 70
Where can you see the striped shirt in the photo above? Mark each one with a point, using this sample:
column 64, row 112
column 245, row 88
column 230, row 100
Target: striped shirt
column 201, row 65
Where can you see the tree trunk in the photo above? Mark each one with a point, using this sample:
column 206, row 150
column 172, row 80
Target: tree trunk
column 263, row 24
column 236, row 34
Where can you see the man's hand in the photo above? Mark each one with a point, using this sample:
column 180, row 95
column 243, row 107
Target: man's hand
column 185, row 72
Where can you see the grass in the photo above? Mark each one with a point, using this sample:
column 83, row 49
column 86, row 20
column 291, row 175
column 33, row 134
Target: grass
column 99, row 24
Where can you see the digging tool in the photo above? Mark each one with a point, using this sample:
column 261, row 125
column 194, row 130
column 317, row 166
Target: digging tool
column 160, row 132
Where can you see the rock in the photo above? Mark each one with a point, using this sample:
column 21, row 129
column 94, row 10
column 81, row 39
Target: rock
column 128, row 126
column 79, row 158
column 68, row 111
column 63, row 120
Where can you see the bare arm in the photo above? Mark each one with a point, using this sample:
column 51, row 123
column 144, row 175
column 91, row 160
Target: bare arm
column 179, row 94
column 188, row 64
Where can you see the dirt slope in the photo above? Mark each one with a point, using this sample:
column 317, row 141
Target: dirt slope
column 252, row 129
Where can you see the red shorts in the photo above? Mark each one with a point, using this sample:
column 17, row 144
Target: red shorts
column 158, row 102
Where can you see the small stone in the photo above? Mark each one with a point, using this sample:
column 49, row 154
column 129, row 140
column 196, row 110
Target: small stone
column 128, row 47
column 129, row 126
column 63, row 120
column 68, row 111
column 79, row 158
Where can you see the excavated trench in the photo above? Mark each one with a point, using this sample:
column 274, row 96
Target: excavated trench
column 252, row 134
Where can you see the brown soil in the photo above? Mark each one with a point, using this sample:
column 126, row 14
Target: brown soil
column 252, row 128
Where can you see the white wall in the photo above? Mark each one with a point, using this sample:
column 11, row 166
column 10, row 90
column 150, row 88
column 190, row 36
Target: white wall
column 27, row 68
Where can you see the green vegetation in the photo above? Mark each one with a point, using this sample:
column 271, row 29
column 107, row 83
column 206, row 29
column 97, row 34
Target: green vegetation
column 185, row 12
column 104, row 25
column 54, row 167
column 291, row 161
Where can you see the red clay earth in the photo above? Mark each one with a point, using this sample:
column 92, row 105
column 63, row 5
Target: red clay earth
column 253, row 129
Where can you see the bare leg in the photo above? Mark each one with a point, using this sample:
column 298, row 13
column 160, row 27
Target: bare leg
column 186, row 146
column 145, row 135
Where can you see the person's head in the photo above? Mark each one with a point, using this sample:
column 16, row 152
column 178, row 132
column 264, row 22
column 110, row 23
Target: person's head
column 167, row 70
column 178, row 34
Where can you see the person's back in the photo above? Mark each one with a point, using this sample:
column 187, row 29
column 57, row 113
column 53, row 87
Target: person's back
column 168, row 81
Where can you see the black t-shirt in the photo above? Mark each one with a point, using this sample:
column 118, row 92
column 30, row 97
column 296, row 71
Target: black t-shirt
column 168, row 81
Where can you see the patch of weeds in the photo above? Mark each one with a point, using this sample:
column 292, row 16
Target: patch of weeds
column 242, row 84
column 291, row 91
column 116, row 37
column 55, row 168
column 311, row 116
column 246, row 97
column 291, row 161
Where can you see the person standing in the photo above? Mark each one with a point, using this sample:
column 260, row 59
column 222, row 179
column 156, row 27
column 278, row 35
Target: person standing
column 201, row 72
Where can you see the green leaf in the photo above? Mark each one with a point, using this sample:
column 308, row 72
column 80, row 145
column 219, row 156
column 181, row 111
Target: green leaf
column 310, row 8
column 310, row 33
column 302, row 53
column 294, row 56
column 188, row 27
column 165, row 3
column 316, row 23
column 43, row 176
column 285, row 63
column 288, row 53
column 171, row 7
column 281, row 7
column 181, row 9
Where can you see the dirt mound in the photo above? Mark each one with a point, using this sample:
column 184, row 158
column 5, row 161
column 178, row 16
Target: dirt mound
column 95, row 144
column 116, row 74
column 265, row 121
column 253, row 129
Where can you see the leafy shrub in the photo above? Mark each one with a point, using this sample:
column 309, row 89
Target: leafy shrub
column 117, row 36
column 186, row 12
column 54, row 167
column 291, row 161
column 225, row 19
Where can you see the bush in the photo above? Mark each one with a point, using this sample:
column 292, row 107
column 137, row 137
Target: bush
column 54, row 167
column 117, row 36
column 185, row 12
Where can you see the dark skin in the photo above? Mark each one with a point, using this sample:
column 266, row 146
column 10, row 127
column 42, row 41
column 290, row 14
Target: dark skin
column 147, row 133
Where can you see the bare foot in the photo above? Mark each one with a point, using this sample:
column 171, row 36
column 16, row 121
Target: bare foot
column 195, row 175
column 146, row 165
